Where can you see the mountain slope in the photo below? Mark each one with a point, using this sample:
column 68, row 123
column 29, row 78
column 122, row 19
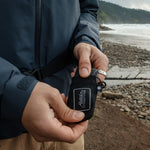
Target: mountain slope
column 112, row 13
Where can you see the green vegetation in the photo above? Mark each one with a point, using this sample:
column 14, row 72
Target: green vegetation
column 112, row 13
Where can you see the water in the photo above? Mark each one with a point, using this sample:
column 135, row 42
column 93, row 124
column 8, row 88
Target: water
column 129, row 34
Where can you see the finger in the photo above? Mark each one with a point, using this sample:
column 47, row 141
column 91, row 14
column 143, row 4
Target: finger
column 76, row 131
column 84, row 62
column 66, row 100
column 63, row 111
column 99, row 61
column 73, row 73
column 69, row 133
column 63, row 97
column 101, row 76
column 55, row 130
column 103, row 68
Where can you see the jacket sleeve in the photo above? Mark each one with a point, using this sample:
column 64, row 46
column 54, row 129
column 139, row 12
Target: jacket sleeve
column 87, row 29
column 15, row 89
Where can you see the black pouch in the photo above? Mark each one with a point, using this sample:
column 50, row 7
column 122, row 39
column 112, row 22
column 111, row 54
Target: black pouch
column 83, row 92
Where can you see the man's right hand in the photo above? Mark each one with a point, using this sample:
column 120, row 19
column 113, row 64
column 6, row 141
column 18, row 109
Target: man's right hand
column 47, row 117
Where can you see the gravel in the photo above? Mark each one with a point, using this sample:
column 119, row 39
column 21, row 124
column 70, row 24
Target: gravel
column 136, row 97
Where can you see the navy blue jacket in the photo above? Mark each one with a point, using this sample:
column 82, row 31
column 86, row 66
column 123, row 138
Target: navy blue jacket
column 32, row 33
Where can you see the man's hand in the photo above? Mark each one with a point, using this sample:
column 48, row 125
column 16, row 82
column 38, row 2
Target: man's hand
column 88, row 56
column 47, row 117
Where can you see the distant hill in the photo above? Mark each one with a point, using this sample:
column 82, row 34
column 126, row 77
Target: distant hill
column 112, row 13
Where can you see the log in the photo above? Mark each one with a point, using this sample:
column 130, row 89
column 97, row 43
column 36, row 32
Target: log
column 111, row 95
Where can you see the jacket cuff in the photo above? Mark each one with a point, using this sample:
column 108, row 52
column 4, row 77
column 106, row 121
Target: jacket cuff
column 86, row 39
column 16, row 95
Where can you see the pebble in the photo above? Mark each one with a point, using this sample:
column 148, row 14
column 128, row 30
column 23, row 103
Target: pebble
column 136, row 111
column 148, row 118
column 127, row 109
column 140, row 102
column 148, row 112
column 136, row 102
column 148, row 100
column 143, row 114
column 119, row 105
column 122, row 109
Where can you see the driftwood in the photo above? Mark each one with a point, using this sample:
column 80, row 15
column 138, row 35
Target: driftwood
column 111, row 95
column 115, row 78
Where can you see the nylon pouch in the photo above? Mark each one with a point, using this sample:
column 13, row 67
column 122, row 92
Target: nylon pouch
column 83, row 92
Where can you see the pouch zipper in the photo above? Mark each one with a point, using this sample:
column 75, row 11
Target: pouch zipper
column 38, row 19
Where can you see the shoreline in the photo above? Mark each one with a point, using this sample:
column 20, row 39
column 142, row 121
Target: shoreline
column 128, row 34
column 132, row 40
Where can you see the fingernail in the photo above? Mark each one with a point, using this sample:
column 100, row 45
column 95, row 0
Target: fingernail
column 78, row 115
column 84, row 72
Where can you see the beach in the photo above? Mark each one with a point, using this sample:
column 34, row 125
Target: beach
column 122, row 114
column 128, row 34
column 137, row 95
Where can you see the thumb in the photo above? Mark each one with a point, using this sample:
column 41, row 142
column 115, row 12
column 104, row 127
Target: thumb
column 65, row 113
column 70, row 115
column 84, row 63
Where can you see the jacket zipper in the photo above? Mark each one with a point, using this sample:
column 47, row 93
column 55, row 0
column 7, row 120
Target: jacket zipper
column 38, row 13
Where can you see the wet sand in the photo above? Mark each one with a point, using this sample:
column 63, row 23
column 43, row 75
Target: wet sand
column 138, row 41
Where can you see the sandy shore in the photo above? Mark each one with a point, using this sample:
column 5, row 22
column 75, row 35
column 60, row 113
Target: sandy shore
column 122, row 123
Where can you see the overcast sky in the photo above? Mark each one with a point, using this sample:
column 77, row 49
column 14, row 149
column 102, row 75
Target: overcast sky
column 139, row 4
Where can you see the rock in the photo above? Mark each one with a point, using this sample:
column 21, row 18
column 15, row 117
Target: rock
column 122, row 109
column 118, row 105
column 131, row 106
column 127, row 109
column 147, row 105
column 140, row 102
column 104, row 28
column 99, row 95
column 111, row 95
column 148, row 100
column 143, row 109
column 148, row 118
column 148, row 112
column 142, row 114
column 138, row 107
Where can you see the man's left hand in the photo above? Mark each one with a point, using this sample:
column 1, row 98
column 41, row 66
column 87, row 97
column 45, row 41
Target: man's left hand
column 90, row 56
